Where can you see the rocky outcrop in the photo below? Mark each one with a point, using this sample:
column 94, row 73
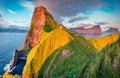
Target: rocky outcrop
column 41, row 18
column 17, row 55
column 33, row 34
column 37, row 22
column 92, row 30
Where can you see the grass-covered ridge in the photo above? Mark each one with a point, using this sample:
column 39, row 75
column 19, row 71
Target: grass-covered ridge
column 63, row 54
column 59, row 64
column 40, row 52
column 82, row 62
column 101, row 42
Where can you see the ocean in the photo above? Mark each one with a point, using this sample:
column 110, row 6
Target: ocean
column 8, row 43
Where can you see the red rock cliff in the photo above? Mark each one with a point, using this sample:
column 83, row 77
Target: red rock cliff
column 39, row 19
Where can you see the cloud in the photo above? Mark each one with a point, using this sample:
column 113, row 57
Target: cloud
column 116, row 25
column 77, row 18
column 17, row 23
column 7, row 23
column 27, row 4
column 78, row 13
column 4, row 23
column 11, row 11
column 68, row 8
column 102, row 23
column 85, row 25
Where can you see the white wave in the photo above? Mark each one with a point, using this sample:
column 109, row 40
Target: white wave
column 7, row 68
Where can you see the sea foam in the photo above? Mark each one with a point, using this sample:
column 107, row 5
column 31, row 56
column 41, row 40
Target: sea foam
column 7, row 68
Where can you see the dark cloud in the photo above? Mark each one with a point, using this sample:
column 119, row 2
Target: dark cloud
column 66, row 8
column 79, row 18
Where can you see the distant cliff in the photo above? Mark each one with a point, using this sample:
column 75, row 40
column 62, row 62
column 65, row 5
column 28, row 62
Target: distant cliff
column 13, row 30
column 112, row 30
column 92, row 30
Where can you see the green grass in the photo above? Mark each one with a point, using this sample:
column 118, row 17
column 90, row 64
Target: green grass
column 84, row 61
column 48, row 28
column 72, row 65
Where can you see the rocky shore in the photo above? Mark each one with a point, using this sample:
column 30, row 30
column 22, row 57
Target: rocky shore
column 18, row 54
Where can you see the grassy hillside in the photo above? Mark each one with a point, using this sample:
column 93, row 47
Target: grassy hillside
column 40, row 52
column 101, row 42
column 63, row 54
column 8, row 75
column 58, row 41
column 68, row 60
column 82, row 62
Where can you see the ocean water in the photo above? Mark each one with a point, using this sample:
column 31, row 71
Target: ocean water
column 8, row 43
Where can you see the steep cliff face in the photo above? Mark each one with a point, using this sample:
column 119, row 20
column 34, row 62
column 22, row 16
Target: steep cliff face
column 40, row 19
column 92, row 30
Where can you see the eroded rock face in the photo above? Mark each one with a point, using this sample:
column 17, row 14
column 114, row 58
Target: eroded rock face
column 41, row 20
column 92, row 30
column 16, row 57
column 37, row 22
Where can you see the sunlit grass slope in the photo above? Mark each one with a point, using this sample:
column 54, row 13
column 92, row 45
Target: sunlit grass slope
column 63, row 54
column 39, row 53
column 8, row 75
column 82, row 62
column 101, row 42
column 69, row 60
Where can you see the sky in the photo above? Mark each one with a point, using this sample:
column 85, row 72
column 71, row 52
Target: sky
column 70, row 13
